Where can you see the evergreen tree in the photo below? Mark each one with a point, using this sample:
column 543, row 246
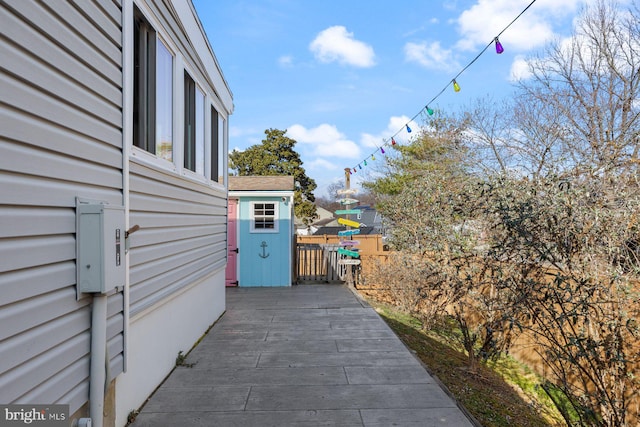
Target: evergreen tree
column 276, row 156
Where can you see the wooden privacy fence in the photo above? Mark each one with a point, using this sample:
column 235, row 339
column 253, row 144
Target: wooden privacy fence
column 317, row 257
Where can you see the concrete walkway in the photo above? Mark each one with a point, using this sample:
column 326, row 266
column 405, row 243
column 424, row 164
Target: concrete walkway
column 308, row 355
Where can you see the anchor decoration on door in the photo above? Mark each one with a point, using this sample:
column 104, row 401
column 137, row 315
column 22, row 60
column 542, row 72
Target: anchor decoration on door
column 264, row 253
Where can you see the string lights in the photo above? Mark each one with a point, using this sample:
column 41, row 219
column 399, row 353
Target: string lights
column 456, row 87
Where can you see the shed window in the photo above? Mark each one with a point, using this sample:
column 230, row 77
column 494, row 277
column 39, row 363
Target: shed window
column 264, row 217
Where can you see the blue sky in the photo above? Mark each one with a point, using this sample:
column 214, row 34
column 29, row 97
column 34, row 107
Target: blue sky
column 343, row 76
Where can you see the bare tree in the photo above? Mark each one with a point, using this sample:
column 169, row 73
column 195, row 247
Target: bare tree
column 590, row 84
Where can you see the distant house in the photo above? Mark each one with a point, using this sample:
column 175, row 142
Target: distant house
column 324, row 218
column 261, row 231
column 114, row 135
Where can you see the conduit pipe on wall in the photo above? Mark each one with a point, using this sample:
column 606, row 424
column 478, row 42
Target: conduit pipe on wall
column 98, row 359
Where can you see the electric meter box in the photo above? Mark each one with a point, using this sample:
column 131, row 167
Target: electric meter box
column 100, row 247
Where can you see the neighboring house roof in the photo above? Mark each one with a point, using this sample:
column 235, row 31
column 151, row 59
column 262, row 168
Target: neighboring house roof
column 369, row 217
column 261, row 183
column 324, row 217
column 323, row 213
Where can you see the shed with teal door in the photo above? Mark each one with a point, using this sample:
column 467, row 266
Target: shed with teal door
column 261, row 225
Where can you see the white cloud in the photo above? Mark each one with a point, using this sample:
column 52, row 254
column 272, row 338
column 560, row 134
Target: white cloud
column 325, row 141
column 322, row 164
column 336, row 44
column 487, row 18
column 430, row 55
column 236, row 132
column 396, row 125
column 285, row 61
column 519, row 69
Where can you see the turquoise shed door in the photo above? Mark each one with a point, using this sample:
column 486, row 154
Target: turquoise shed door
column 265, row 242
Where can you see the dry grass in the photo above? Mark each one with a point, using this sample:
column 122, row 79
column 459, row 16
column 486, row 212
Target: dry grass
column 499, row 394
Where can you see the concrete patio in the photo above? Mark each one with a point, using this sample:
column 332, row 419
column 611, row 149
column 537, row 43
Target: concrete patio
column 307, row 355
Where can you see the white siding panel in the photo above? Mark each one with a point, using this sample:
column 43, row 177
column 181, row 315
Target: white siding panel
column 60, row 138
column 79, row 27
column 105, row 15
column 170, row 283
column 28, row 252
column 144, row 254
column 111, row 8
column 22, row 284
column 25, row 66
column 114, row 349
column 43, row 47
column 65, row 381
column 38, row 191
column 77, row 397
column 41, row 338
column 157, row 236
column 172, row 263
column 166, row 190
column 24, row 315
column 182, row 234
column 142, row 172
column 154, row 219
column 43, row 367
column 28, row 129
column 33, row 101
column 40, row 17
column 34, row 221
column 171, row 206
column 29, row 160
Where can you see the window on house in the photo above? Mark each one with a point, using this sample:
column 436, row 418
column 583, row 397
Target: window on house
column 264, row 217
column 215, row 155
column 164, row 102
column 153, row 89
column 193, row 126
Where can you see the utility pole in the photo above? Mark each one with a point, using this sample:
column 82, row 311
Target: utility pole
column 347, row 187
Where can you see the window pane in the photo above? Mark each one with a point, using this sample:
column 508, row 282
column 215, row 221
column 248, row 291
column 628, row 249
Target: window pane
column 189, row 122
column 144, row 84
column 222, row 155
column 199, row 132
column 264, row 216
column 164, row 102
column 214, row 146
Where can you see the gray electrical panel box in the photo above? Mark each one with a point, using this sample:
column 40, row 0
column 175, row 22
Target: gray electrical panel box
column 100, row 244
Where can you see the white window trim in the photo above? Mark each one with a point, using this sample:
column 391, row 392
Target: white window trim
column 179, row 67
column 144, row 156
column 276, row 213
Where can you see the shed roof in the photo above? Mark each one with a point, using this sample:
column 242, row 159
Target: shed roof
column 261, row 183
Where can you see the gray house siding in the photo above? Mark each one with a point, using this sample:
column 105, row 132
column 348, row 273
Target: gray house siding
column 60, row 138
column 182, row 235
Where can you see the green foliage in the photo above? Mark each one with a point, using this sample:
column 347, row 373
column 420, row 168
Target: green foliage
column 181, row 360
column 276, row 156
column 131, row 417
column 534, row 227
column 434, row 152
